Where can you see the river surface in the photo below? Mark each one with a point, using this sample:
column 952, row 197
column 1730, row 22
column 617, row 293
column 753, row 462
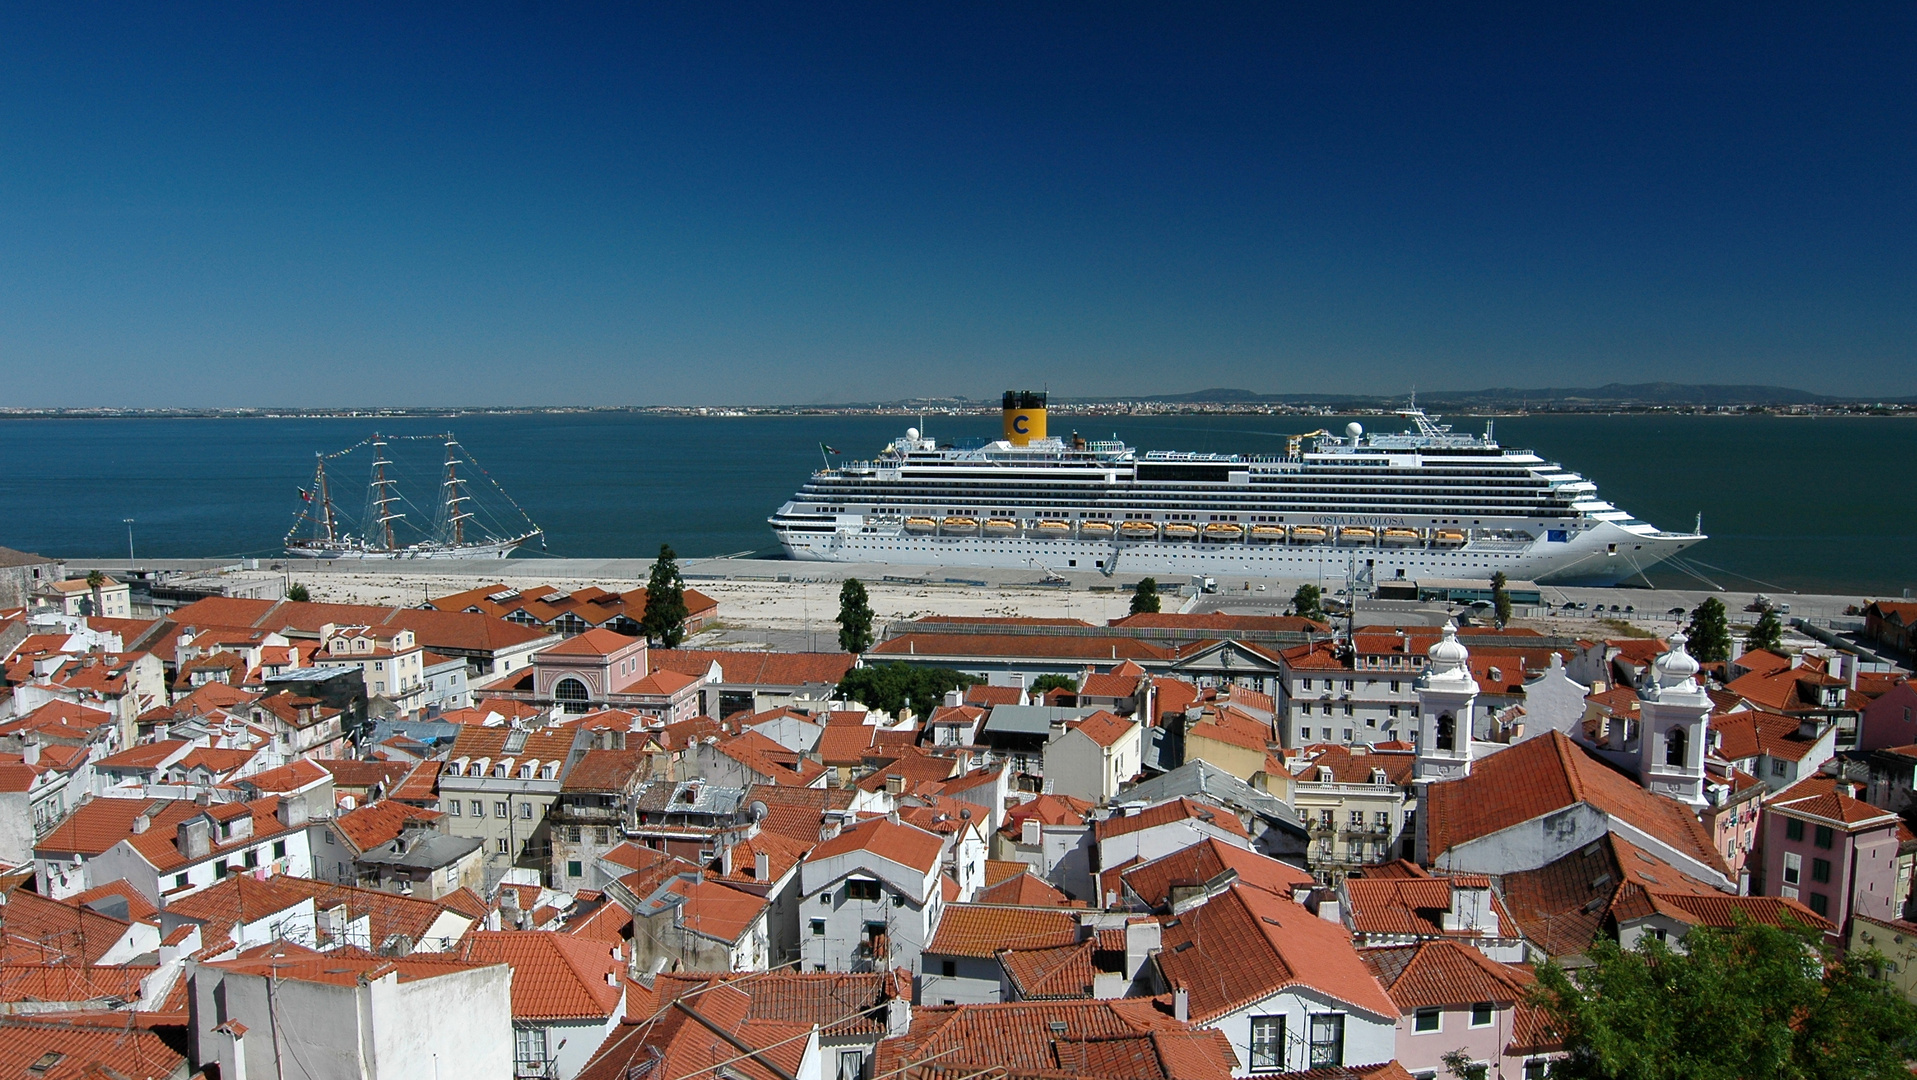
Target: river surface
column 1812, row 504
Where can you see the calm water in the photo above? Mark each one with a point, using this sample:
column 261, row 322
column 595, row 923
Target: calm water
column 1815, row 505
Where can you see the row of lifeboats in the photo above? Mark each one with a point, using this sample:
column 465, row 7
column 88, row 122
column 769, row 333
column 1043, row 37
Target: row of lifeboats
column 1222, row 531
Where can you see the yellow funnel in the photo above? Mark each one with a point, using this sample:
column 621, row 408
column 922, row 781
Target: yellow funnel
column 1024, row 416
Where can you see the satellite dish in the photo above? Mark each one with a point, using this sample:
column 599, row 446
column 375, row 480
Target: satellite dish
column 1354, row 429
column 911, row 433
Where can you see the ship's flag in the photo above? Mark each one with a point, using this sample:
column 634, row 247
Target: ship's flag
column 305, row 495
column 827, row 449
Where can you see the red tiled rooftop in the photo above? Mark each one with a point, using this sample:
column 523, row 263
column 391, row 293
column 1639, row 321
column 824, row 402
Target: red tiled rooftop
column 555, row 976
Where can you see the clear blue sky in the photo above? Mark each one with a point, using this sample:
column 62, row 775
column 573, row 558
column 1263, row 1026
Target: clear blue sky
column 544, row 203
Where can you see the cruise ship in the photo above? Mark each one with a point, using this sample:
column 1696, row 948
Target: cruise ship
column 1425, row 502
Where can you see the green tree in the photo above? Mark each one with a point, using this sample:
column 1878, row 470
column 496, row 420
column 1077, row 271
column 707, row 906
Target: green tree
column 1735, row 1004
column 665, row 617
column 1308, row 602
column 1045, row 684
column 897, row 686
column 1145, row 597
column 1710, row 632
column 1767, row 634
column 297, row 593
column 93, row 605
column 1501, row 598
column 855, row 617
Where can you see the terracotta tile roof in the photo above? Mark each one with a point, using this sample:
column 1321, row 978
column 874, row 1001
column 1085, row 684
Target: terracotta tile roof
column 1048, row 810
column 1109, row 685
column 1023, row 645
column 999, row 870
column 1220, row 623
column 545, row 744
column 1441, row 973
column 1025, row 890
column 605, row 770
column 387, row 915
column 1414, row 906
column 420, row 786
column 370, row 826
column 151, row 755
column 293, row 776
column 769, row 759
column 112, row 894
column 341, row 967
column 1065, row 971
column 845, row 1005
column 782, row 854
column 912, row 765
column 73, row 1050
column 1549, row 773
column 1120, row 1039
column 98, row 825
column 981, row 930
column 1751, row 732
column 364, row 775
column 797, row 812
column 1218, row 730
column 987, row 696
column 1103, row 728
column 555, row 976
column 1383, row 1070
column 1245, row 944
column 595, row 642
column 685, row 1037
column 902, row 844
column 1837, row 808
column 1152, row 882
column 42, row 931
column 845, row 742
column 1165, row 813
column 716, row 910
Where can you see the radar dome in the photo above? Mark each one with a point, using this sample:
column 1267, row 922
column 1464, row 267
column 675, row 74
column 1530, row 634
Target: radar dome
column 1354, row 429
column 911, row 433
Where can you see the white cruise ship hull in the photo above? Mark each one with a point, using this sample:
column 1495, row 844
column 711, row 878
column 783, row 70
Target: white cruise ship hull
column 1428, row 503
column 1604, row 555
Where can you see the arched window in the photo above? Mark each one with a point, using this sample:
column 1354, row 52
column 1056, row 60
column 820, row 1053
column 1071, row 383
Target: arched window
column 571, row 693
column 1447, row 732
column 1674, row 747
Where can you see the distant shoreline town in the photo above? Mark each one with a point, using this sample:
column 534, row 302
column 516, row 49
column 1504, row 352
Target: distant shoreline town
column 1641, row 398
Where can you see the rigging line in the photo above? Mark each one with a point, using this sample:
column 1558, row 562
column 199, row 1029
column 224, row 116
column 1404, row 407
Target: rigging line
column 1686, row 568
column 1746, row 577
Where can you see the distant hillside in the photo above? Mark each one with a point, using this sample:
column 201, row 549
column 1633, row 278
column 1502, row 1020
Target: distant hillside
column 1634, row 394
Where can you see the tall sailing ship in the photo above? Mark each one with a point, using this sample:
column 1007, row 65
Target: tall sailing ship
column 1426, row 502
column 462, row 527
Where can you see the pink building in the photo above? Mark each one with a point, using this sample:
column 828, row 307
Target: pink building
column 584, row 671
column 1891, row 720
column 1831, row 850
column 1452, row 997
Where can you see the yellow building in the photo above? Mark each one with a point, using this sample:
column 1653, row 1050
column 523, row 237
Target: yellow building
column 1897, row 941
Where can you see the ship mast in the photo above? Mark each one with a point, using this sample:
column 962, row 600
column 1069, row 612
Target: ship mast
column 455, row 493
column 382, row 497
column 326, row 501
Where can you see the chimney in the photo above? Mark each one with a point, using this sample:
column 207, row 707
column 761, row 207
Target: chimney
column 1142, row 939
column 954, row 698
column 1030, row 832
column 725, row 860
column 1181, row 1004
column 761, row 866
column 194, row 837
column 292, row 811
column 143, row 822
column 892, row 817
column 30, row 753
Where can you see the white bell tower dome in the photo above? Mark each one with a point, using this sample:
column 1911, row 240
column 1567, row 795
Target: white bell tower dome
column 1447, row 700
column 1674, row 711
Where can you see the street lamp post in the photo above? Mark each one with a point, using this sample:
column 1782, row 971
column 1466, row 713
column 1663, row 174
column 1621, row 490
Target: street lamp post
column 129, row 538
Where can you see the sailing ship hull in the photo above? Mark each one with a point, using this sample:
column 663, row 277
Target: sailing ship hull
column 498, row 550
